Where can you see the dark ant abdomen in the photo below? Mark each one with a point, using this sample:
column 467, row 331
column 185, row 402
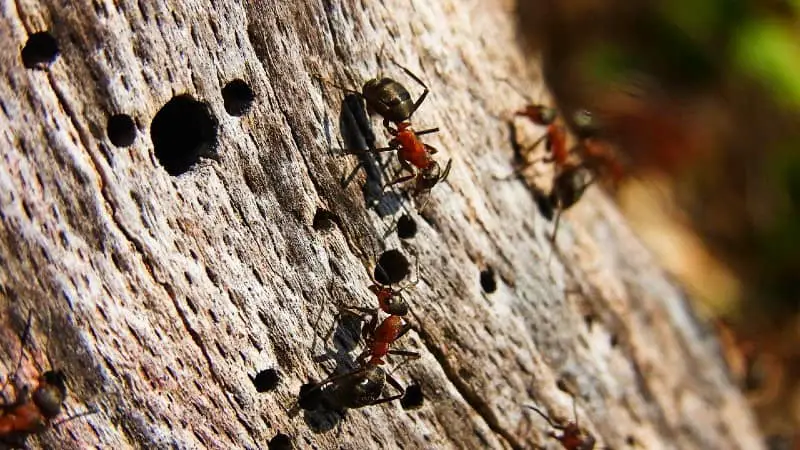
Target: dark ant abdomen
column 389, row 99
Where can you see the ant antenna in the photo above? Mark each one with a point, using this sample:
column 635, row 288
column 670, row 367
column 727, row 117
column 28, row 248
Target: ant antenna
column 23, row 340
column 545, row 417
column 575, row 412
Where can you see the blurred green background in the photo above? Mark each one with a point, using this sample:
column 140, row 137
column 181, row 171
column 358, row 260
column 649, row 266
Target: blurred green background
column 702, row 101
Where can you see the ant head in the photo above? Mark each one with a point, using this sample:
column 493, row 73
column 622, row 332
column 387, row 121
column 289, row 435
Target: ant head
column 546, row 114
column 394, row 305
column 368, row 386
column 432, row 175
column 586, row 125
column 574, row 439
column 51, row 392
column 570, row 185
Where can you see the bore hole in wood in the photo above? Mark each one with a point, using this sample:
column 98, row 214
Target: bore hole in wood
column 324, row 220
column 40, row 51
column 413, row 397
column 238, row 97
column 488, row 280
column 280, row 442
column 392, row 267
column 266, row 380
column 121, row 130
column 183, row 131
column 406, row 227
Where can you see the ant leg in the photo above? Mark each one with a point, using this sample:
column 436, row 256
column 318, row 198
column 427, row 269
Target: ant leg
column 331, row 379
column 331, row 83
column 418, row 80
column 345, row 181
column 23, row 340
column 428, row 131
column 545, row 417
column 88, row 412
column 395, row 384
column 575, row 412
column 431, row 149
column 407, row 167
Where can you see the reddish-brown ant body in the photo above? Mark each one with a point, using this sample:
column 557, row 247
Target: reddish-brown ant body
column 572, row 436
column 33, row 412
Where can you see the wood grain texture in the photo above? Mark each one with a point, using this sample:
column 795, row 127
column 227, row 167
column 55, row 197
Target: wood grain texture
column 161, row 295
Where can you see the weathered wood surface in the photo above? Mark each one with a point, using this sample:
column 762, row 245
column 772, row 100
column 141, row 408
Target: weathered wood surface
column 164, row 294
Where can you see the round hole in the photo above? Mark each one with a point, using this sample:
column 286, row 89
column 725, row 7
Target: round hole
column 406, row 227
column 308, row 399
column 183, row 131
column 280, row 442
column 392, row 267
column 40, row 51
column 413, row 398
column 324, row 220
column 266, row 380
column 488, row 281
column 614, row 340
column 121, row 130
column 238, row 97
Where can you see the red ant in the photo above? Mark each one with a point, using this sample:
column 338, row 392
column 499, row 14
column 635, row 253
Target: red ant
column 572, row 437
column 32, row 412
column 392, row 101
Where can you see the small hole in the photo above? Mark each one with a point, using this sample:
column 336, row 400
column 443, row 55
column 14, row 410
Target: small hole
column 280, row 442
column 614, row 341
column 488, row 281
column 589, row 320
column 121, row 130
column 413, row 398
column 630, row 440
column 324, row 220
column 309, row 400
column 238, row 97
column 40, row 51
column 406, row 227
column 183, row 131
column 392, row 267
column 266, row 380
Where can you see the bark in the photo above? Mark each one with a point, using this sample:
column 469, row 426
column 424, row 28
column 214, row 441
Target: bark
column 160, row 295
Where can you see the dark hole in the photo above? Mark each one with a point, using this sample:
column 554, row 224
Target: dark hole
column 238, row 97
column 280, row 442
column 413, row 398
column 589, row 320
column 488, row 281
column 406, row 227
column 121, row 130
column 614, row 341
column 266, row 380
column 308, row 399
column 324, row 220
column 392, row 267
column 545, row 204
column 183, row 131
column 40, row 51
column 630, row 440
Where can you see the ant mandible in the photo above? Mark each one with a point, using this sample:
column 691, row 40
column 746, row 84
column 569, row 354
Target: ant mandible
column 32, row 412
column 572, row 437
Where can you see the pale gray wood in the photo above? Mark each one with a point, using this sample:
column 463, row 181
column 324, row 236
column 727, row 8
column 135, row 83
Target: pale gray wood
column 165, row 294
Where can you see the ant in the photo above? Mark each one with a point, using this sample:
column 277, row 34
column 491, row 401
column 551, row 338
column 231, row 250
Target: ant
column 32, row 412
column 572, row 437
column 355, row 389
column 392, row 101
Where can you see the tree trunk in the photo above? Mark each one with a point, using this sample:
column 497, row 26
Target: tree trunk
column 160, row 286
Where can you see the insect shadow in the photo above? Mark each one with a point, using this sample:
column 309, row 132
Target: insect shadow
column 359, row 139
